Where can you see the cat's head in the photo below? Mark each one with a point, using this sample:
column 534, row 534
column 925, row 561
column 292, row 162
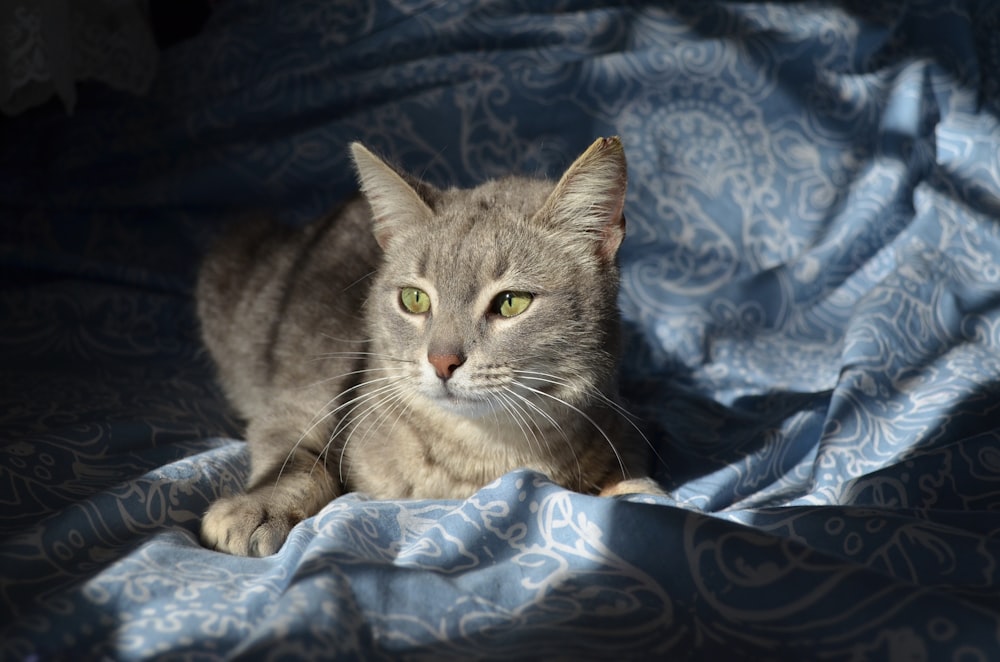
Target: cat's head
column 501, row 298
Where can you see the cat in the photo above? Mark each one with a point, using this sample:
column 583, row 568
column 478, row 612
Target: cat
column 420, row 343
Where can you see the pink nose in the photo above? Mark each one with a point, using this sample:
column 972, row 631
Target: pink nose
column 445, row 364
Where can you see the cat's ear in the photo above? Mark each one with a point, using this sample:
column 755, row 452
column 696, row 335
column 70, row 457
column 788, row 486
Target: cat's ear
column 394, row 201
column 590, row 197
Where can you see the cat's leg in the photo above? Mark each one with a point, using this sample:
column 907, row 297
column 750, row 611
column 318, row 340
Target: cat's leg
column 289, row 482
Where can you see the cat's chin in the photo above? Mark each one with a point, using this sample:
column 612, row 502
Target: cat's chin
column 472, row 408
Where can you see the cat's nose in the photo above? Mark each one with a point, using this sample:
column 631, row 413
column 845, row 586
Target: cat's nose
column 445, row 364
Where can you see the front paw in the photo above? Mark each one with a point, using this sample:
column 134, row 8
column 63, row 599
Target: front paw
column 247, row 525
column 633, row 486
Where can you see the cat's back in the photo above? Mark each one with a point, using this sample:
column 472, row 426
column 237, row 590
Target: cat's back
column 271, row 297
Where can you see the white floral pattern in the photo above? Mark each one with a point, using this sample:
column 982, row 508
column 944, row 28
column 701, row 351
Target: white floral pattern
column 48, row 46
column 811, row 293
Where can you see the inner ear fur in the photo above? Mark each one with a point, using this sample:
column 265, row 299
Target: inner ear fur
column 394, row 200
column 590, row 197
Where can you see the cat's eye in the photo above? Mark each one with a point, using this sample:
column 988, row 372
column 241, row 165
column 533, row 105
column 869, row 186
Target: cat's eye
column 511, row 304
column 414, row 300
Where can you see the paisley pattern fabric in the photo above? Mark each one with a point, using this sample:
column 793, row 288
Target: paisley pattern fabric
column 812, row 310
column 46, row 46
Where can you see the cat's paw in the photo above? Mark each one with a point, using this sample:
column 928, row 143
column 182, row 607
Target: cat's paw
column 247, row 525
column 633, row 486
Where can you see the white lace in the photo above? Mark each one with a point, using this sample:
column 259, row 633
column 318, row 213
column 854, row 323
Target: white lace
column 48, row 45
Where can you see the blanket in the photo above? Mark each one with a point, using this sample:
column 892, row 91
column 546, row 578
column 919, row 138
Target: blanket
column 811, row 303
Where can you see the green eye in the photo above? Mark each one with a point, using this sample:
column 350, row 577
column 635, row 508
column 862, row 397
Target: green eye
column 511, row 304
column 414, row 300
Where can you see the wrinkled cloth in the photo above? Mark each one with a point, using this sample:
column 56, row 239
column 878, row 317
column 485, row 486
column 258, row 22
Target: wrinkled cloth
column 811, row 302
column 47, row 46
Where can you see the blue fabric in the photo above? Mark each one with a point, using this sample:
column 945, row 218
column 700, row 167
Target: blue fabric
column 811, row 292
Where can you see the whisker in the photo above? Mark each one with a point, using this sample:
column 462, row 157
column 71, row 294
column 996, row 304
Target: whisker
column 493, row 408
column 394, row 397
column 555, row 379
column 345, row 421
column 586, row 417
column 555, row 424
column 363, row 278
column 399, row 400
column 341, row 376
column 519, row 417
column 359, row 355
column 317, row 420
column 358, row 402
column 535, row 407
column 616, row 406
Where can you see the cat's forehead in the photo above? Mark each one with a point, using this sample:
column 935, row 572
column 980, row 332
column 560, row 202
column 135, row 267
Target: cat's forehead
column 509, row 196
column 492, row 220
column 486, row 222
column 480, row 235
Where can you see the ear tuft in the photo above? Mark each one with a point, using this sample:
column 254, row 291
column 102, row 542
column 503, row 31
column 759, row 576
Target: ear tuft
column 590, row 197
column 394, row 203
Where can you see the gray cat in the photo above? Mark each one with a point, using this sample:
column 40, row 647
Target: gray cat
column 421, row 343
